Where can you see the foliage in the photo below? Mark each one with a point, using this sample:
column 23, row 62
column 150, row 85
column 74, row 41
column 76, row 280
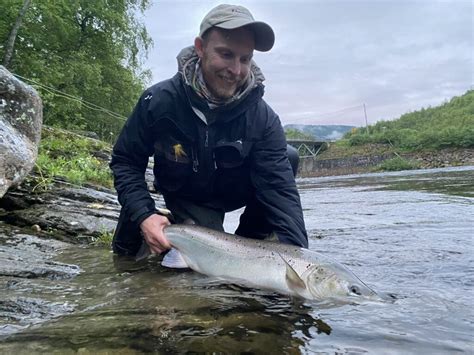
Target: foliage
column 72, row 157
column 321, row 132
column 449, row 125
column 292, row 133
column 104, row 239
column 397, row 164
column 92, row 50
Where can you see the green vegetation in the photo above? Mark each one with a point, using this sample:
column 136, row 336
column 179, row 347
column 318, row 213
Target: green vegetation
column 83, row 57
column 343, row 149
column 426, row 131
column 397, row 164
column 449, row 125
column 76, row 158
column 321, row 132
column 104, row 239
column 293, row 133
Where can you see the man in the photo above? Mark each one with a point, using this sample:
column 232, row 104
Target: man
column 217, row 145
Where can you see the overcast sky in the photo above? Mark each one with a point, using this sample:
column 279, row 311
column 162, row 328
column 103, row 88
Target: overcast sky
column 330, row 56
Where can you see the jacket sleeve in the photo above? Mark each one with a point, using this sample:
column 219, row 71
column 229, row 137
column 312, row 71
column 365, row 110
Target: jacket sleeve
column 275, row 184
column 129, row 161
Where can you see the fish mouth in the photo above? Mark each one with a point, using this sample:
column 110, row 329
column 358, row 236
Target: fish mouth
column 337, row 288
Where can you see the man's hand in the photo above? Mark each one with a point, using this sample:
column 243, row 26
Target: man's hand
column 152, row 229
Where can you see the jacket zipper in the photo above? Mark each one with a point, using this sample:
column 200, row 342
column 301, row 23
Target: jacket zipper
column 195, row 161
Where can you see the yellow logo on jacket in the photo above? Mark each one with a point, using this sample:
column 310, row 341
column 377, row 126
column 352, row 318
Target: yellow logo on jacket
column 179, row 151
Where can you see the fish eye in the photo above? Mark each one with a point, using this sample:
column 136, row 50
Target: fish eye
column 354, row 289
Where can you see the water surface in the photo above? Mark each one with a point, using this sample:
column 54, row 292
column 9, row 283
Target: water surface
column 407, row 234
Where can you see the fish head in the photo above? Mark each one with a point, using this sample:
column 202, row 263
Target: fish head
column 334, row 281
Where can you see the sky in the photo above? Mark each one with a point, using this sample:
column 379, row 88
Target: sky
column 331, row 57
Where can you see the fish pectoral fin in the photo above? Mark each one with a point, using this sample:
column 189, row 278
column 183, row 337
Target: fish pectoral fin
column 143, row 253
column 293, row 280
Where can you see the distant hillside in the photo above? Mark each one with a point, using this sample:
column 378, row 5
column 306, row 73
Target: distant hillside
column 322, row 132
column 448, row 125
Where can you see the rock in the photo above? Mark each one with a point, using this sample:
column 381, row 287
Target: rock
column 27, row 256
column 17, row 313
column 31, row 279
column 21, row 117
column 69, row 213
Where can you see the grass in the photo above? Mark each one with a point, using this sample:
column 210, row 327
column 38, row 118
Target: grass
column 75, row 158
column 104, row 239
column 397, row 164
column 343, row 149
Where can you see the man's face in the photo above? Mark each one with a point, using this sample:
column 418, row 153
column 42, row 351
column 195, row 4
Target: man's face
column 225, row 59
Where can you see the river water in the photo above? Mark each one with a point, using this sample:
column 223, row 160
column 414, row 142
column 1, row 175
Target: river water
column 408, row 234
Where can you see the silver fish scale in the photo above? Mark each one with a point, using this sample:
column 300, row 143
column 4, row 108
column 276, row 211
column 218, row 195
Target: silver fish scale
column 252, row 262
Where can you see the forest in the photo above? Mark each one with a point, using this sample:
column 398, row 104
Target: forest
column 85, row 58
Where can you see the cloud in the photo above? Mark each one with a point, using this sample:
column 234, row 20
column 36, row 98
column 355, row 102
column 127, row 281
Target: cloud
column 394, row 56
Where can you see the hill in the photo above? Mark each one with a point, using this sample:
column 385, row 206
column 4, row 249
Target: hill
column 322, row 132
column 444, row 126
column 431, row 137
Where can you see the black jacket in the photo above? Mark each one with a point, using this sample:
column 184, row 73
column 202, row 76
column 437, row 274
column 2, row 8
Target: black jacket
column 240, row 151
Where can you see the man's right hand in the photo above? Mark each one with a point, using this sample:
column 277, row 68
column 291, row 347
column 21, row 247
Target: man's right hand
column 152, row 229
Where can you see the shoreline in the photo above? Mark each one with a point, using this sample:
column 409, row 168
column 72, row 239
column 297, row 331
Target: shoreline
column 326, row 165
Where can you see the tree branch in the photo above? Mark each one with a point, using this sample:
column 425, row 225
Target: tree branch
column 13, row 33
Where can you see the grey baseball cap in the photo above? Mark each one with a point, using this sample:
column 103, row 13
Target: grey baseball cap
column 230, row 17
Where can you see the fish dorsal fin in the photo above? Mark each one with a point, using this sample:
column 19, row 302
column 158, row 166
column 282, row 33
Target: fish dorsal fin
column 293, row 280
column 189, row 222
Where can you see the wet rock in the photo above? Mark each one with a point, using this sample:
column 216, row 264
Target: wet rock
column 26, row 263
column 21, row 116
column 28, row 256
column 66, row 212
column 35, row 308
column 21, row 312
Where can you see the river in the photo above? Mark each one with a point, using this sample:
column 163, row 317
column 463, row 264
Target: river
column 407, row 234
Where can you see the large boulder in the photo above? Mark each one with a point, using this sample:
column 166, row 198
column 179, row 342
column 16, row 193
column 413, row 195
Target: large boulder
column 21, row 117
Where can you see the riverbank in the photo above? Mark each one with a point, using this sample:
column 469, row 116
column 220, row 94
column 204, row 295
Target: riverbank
column 342, row 160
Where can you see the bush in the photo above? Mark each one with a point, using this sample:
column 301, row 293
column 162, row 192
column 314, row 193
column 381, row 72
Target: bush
column 397, row 164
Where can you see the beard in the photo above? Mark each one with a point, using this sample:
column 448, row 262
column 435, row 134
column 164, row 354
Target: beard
column 223, row 86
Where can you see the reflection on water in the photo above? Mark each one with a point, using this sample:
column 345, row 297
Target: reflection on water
column 409, row 234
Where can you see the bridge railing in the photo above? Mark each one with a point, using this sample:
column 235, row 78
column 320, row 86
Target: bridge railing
column 308, row 148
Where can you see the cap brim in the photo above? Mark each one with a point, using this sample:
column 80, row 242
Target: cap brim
column 264, row 36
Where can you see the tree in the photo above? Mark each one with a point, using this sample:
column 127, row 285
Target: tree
column 293, row 133
column 13, row 33
column 90, row 50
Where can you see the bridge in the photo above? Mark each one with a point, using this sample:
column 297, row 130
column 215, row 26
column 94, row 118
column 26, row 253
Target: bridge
column 308, row 147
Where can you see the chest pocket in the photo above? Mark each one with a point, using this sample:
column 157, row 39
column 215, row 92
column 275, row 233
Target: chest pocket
column 229, row 155
column 173, row 163
column 232, row 177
